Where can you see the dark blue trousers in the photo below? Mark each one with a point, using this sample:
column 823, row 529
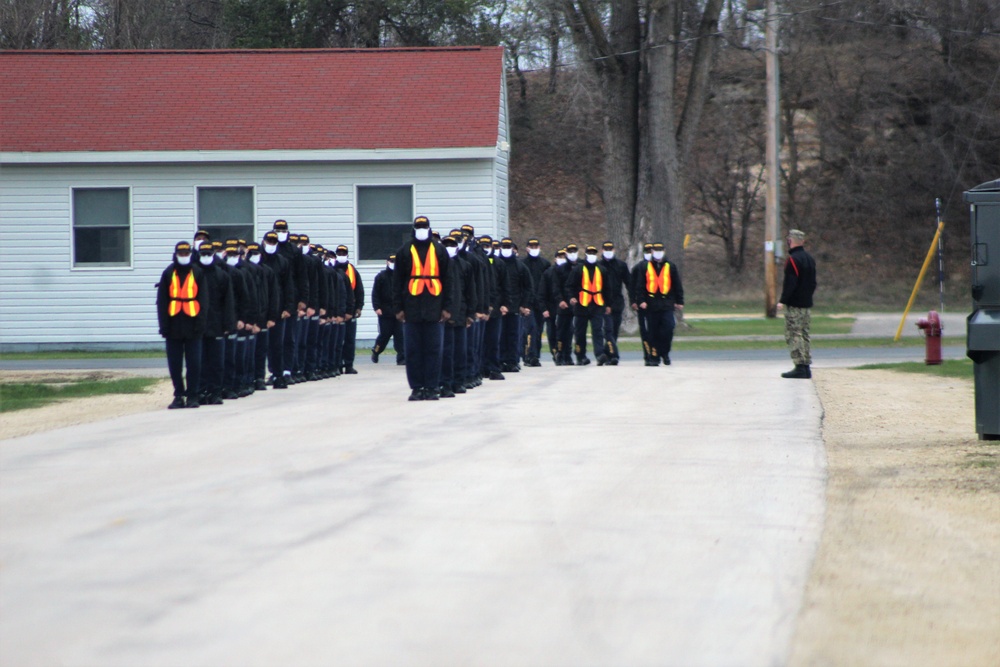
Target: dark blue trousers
column 661, row 332
column 340, row 333
column 350, row 342
column 180, row 353
column 491, row 344
column 510, row 337
column 564, row 333
column 312, row 346
column 290, row 341
column 424, row 348
column 550, row 332
column 276, row 348
column 448, row 356
column 532, row 327
column 260, row 354
column 213, row 352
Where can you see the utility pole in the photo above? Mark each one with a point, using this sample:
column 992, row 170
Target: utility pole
column 772, row 212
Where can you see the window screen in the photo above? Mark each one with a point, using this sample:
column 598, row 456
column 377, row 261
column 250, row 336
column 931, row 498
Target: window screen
column 102, row 226
column 226, row 213
column 385, row 219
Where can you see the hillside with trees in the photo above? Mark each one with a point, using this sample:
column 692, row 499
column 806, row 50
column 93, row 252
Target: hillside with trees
column 639, row 119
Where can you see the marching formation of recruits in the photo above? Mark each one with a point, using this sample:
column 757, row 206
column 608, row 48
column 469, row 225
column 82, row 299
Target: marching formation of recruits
column 470, row 309
column 459, row 309
column 234, row 312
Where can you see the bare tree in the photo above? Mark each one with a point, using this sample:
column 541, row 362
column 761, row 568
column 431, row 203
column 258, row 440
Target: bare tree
column 651, row 116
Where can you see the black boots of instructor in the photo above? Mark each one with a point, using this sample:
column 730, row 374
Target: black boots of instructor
column 800, row 372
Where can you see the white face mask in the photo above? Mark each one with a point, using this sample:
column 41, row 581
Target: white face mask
column 270, row 249
column 255, row 259
column 488, row 251
column 206, row 260
column 306, row 249
column 197, row 243
column 506, row 252
column 232, row 261
column 658, row 255
column 221, row 255
column 572, row 256
column 647, row 256
column 560, row 261
column 452, row 251
column 591, row 259
column 534, row 252
column 391, row 266
column 422, row 233
column 609, row 254
column 341, row 259
column 282, row 237
column 184, row 261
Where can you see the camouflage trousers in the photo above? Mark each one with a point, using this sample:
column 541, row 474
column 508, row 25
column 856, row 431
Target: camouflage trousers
column 797, row 334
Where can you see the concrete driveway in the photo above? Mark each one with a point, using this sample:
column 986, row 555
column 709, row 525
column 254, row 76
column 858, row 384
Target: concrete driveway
column 565, row 516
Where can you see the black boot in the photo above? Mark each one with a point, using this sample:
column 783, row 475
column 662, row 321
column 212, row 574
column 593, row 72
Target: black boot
column 801, row 371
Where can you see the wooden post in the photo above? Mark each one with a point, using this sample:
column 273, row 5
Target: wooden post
column 772, row 214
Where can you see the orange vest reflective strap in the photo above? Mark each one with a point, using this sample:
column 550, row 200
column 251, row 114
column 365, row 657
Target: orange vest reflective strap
column 352, row 275
column 183, row 298
column 591, row 287
column 658, row 283
column 425, row 274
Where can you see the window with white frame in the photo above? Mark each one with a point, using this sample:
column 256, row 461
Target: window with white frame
column 102, row 227
column 385, row 219
column 226, row 212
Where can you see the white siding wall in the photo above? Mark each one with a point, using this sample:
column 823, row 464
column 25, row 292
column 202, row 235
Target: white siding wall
column 501, row 167
column 43, row 301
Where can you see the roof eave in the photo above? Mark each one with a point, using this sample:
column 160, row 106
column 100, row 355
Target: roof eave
column 231, row 156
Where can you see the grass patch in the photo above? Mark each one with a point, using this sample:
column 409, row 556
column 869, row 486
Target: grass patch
column 152, row 353
column 760, row 326
column 694, row 343
column 25, row 395
column 955, row 368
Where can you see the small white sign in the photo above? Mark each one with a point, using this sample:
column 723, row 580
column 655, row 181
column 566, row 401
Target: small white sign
column 768, row 246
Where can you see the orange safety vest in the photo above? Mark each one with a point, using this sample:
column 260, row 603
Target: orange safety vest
column 592, row 288
column 425, row 274
column 352, row 276
column 183, row 298
column 658, row 283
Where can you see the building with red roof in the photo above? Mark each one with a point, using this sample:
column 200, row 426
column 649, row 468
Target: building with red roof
column 108, row 158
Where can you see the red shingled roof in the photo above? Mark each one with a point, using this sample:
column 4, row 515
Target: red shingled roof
column 249, row 100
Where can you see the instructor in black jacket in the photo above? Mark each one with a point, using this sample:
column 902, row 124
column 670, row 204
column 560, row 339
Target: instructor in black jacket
column 797, row 298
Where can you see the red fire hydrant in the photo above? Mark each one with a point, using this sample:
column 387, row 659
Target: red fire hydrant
column 931, row 326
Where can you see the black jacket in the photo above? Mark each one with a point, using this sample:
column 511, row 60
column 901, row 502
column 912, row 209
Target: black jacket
column 537, row 267
column 522, row 290
column 424, row 306
column 483, row 276
column 574, row 287
column 657, row 301
column 618, row 273
column 382, row 293
column 462, row 278
column 282, row 269
column 354, row 286
column 800, row 279
column 550, row 290
column 181, row 326
column 221, row 318
column 500, row 293
column 298, row 276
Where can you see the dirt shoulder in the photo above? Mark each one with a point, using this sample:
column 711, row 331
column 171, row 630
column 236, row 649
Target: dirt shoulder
column 908, row 569
column 79, row 410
